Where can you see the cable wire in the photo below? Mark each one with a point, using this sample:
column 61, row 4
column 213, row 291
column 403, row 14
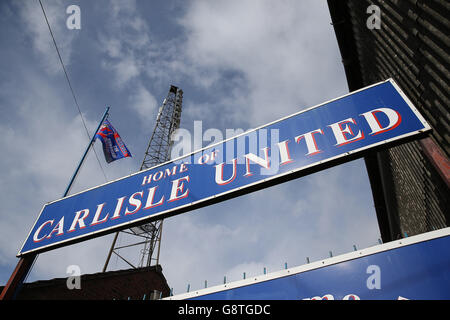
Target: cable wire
column 71, row 88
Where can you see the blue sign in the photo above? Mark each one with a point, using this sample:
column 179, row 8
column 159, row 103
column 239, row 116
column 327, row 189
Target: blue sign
column 415, row 268
column 296, row 145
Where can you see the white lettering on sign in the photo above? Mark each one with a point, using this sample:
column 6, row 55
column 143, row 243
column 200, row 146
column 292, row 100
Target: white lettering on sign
column 344, row 132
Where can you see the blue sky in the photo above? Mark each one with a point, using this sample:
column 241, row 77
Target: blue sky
column 240, row 64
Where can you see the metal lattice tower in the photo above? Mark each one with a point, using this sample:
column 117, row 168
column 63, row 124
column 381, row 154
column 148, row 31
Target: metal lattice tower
column 148, row 236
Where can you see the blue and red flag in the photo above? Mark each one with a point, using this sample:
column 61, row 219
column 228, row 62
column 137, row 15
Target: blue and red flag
column 113, row 146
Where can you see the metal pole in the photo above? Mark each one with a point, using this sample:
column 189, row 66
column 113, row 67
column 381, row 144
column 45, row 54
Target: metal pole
column 26, row 262
column 17, row 277
column 110, row 252
column 159, row 242
column 85, row 154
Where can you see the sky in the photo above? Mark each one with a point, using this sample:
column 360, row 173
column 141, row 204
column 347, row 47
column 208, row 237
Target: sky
column 240, row 64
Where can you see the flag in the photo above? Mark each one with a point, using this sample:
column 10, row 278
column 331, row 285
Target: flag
column 113, row 146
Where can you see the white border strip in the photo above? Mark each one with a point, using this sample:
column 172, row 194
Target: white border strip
column 316, row 265
column 123, row 225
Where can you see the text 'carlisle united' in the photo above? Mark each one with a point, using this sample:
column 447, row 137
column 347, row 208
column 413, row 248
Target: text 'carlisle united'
column 274, row 153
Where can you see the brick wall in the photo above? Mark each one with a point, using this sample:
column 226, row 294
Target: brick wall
column 119, row 285
column 412, row 47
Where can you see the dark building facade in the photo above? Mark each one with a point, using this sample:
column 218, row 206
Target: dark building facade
column 410, row 182
column 146, row 283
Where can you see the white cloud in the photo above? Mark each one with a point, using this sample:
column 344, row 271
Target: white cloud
column 111, row 46
column 124, row 41
column 37, row 30
column 53, row 264
column 145, row 104
column 125, row 70
column 282, row 53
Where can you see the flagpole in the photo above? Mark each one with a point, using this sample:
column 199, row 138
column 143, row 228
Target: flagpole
column 85, row 154
column 26, row 262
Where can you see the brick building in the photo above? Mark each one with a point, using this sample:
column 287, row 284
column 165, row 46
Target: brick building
column 134, row 284
column 410, row 182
